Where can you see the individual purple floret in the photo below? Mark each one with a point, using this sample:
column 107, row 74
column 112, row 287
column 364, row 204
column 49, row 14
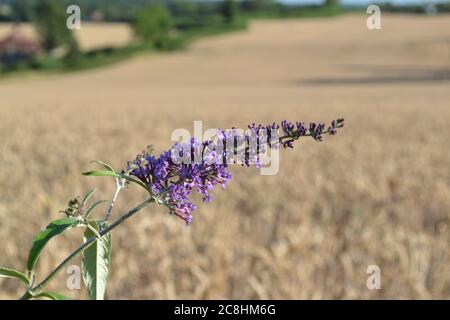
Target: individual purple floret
column 316, row 130
column 201, row 166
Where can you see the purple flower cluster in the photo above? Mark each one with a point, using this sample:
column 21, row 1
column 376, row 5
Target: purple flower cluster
column 200, row 166
column 174, row 181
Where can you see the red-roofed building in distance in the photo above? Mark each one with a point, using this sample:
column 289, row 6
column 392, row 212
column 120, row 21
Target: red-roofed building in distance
column 16, row 48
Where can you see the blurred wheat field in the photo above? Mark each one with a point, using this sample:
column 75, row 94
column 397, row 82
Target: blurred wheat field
column 91, row 36
column 377, row 193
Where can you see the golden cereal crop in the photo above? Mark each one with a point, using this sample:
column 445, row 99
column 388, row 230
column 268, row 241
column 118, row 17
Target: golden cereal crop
column 377, row 193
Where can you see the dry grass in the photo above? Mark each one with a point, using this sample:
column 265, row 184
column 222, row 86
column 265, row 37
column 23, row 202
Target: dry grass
column 377, row 193
column 90, row 36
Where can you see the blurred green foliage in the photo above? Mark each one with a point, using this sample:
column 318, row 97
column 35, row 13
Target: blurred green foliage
column 160, row 25
column 229, row 10
column 50, row 22
column 153, row 25
column 194, row 11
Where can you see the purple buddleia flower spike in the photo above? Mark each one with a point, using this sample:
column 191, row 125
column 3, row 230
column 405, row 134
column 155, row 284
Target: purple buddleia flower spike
column 205, row 163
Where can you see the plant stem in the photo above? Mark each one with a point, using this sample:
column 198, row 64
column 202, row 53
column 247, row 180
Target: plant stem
column 39, row 287
column 119, row 185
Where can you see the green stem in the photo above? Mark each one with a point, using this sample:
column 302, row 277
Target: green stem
column 39, row 287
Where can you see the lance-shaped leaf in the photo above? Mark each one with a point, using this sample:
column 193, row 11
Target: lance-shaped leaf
column 87, row 196
column 10, row 273
column 105, row 173
column 103, row 164
column 92, row 207
column 53, row 229
column 95, row 263
column 52, row 296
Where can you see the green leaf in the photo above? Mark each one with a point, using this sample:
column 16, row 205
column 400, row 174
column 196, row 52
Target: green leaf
column 103, row 164
column 103, row 173
column 52, row 296
column 87, row 196
column 9, row 273
column 53, row 229
column 92, row 207
column 95, row 263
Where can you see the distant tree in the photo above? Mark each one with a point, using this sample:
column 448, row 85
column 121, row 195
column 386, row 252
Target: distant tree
column 153, row 24
column 6, row 12
column 184, row 8
column 332, row 3
column 23, row 10
column 229, row 10
column 50, row 21
column 258, row 6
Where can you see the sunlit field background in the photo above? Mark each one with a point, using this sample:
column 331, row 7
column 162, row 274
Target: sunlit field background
column 378, row 193
column 91, row 36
